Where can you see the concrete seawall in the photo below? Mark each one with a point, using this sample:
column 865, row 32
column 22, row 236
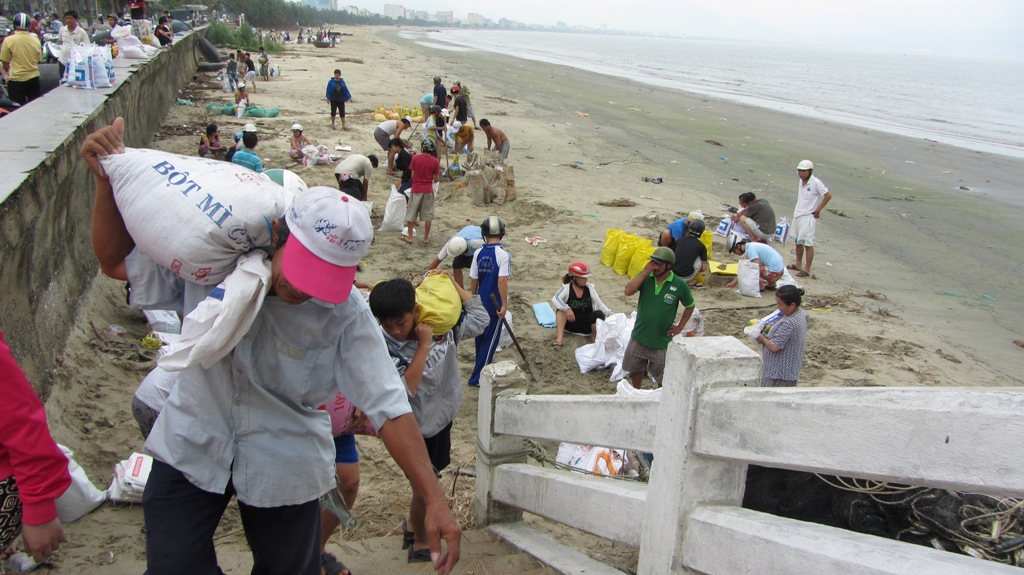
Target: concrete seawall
column 46, row 194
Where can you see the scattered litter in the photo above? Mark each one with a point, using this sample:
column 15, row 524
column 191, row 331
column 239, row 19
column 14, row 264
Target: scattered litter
column 582, row 115
column 342, row 148
column 642, row 197
column 1019, row 343
column 535, row 240
column 723, row 158
column 952, row 293
column 21, row 563
column 183, row 102
column 130, row 476
column 117, row 330
column 593, row 215
column 986, row 296
column 839, row 213
column 907, row 162
column 713, row 142
column 828, row 264
column 674, row 162
column 577, row 162
column 652, row 180
column 965, row 188
column 822, row 309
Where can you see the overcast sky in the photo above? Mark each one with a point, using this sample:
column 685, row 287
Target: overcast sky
column 989, row 28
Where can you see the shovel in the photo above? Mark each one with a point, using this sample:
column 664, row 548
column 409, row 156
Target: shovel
column 526, row 362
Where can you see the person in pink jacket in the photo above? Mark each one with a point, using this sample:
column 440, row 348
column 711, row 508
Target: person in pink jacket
column 33, row 471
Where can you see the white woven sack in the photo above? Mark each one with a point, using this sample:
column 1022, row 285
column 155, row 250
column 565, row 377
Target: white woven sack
column 194, row 216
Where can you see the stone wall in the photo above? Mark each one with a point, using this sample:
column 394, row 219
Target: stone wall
column 46, row 194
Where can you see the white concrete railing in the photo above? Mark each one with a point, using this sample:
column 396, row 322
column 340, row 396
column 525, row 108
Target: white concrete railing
column 705, row 430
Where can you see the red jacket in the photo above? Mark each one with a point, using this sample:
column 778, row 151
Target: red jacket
column 27, row 451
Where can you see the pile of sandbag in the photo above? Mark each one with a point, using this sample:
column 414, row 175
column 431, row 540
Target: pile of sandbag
column 89, row 66
column 490, row 179
column 130, row 46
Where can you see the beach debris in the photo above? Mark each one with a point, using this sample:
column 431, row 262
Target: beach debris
column 674, row 162
column 908, row 162
column 535, row 240
column 117, row 330
column 839, row 213
column 729, row 208
column 1019, row 342
column 986, row 296
column 713, row 142
column 964, row 188
column 574, row 165
column 618, row 203
column 655, row 198
column 946, row 356
column 652, row 180
column 582, row 114
column 184, row 102
column 723, row 158
column 636, row 110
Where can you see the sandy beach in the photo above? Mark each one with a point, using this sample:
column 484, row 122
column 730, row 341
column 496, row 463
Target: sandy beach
column 915, row 279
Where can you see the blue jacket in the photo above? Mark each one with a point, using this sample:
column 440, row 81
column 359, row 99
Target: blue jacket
column 345, row 94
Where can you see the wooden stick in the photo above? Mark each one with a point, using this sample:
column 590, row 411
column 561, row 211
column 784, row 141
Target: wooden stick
column 504, row 322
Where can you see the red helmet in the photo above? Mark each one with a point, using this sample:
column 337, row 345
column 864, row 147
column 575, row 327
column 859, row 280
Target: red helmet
column 579, row 269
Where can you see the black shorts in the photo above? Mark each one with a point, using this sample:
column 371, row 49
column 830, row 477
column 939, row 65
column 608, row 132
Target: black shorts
column 439, row 448
column 337, row 108
column 463, row 262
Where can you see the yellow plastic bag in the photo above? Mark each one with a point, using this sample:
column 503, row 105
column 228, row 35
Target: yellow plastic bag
column 611, row 246
column 440, row 304
column 641, row 256
column 625, row 253
column 705, row 239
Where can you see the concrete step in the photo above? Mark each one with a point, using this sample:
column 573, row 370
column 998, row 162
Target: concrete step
column 482, row 554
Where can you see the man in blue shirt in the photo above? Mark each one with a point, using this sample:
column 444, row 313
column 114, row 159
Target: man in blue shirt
column 492, row 266
column 246, row 156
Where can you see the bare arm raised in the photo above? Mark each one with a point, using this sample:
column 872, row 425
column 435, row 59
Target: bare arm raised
column 110, row 238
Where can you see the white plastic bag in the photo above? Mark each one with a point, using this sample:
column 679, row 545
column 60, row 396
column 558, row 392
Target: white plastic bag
column 217, row 324
column 749, row 278
column 194, row 216
column 315, row 155
column 609, row 345
column 781, row 231
column 90, row 67
column 590, row 458
column 394, row 212
column 505, row 339
column 82, row 497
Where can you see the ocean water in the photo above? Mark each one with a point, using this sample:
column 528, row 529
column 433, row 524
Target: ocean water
column 966, row 102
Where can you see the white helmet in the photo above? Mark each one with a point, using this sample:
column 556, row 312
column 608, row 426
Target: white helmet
column 805, row 165
column 457, row 246
column 732, row 241
column 296, row 127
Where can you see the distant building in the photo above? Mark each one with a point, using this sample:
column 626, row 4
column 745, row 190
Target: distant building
column 446, row 17
column 474, row 19
column 394, row 11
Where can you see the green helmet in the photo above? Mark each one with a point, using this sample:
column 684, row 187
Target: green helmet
column 664, row 255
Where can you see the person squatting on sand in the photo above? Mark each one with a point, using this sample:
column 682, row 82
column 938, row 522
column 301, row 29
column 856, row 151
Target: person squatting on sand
column 770, row 263
column 209, row 443
column 577, row 305
column 783, row 346
column 429, row 365
column 812, row 197
column 297, row 142
column 756, row 217
column 691, row 253
column 661, row 292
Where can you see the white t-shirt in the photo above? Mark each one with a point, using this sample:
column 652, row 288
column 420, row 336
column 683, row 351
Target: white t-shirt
column 356, row 165
column 808, row 197
column 69, row 38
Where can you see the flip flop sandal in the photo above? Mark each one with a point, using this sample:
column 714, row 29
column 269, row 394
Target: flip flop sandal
column 802, row 274
column 331, row 565
column 408, row 538
column 556, row 343
column 419, row 556
column 792, row 267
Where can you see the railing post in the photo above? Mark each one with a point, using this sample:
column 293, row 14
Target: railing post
column 496, row 379
column 681, row 479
